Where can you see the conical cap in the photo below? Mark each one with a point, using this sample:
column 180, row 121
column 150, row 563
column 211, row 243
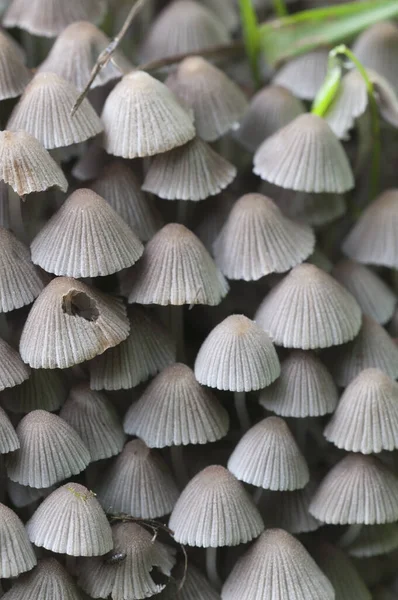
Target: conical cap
column 16, row 552
column 12, row 370
column 71, row 521
column 70, row 323
column 142, row 117
column 377, row 48
column 341, row 572
column 303, row 75
column 215, row 510
column 309, row 309
column 374, row 540
column 14, row 76
column 349, row 103
column 175, row 410
column 177, row 269
column 44, row 390
column 8, row 438
column 44, row 111
column 257, row 239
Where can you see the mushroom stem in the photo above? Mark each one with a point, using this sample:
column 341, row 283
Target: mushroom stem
column 15, row 210
column 350, row 535
column 177, row 330
column 4, row 328
column 179, row 466
column 182, row 211
column 211, row 568
column 241, row 410
column 257, row 495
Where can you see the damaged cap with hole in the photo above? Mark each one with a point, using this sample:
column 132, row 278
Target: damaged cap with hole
column 70, row 323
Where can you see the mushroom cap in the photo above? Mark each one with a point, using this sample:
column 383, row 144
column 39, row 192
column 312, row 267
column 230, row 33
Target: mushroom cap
column 16, row 552
column 14, row 75
column 13, row 371
column 350, row 102
column 377, row 48
column 374, row 540
column 44, row 390
column 303, row 75
column 8, row 438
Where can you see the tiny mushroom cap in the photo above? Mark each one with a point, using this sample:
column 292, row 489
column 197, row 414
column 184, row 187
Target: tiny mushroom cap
column 130, row 578
column 377, row 48
column 303, row 75
column 44, row 390
column 70, row 323
column 85, row 238
column 305, row 388
column 349, row 103
column 215, row 510
column 12, row 370
column 257, row 239
column 374, row 540
column 8, row 438
column 26, row 166
column 142, row 117
column 358, row 490
column 138, row 483
column 16, row 552
column 341, row 572
column 175, row 410
column 309, row 309
column 177, row 269
column 14, row 75
column 71, row 521
column 20, row 282
column 373, row 239
column 267, row 456
column 217, row 102
column 49, row 17
column 277, row 566
column 44, row 111
column 306, row 156
column 366, row 419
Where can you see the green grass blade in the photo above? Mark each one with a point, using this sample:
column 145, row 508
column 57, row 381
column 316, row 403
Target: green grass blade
column 251, row 36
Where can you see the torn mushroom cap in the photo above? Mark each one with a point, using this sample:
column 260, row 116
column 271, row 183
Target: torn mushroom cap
column 304, row 74
column 70, row 323
column 12, row 370
column 14, row 76
column 8, row 438
column 16, row 552
column 46, row 389
column 377, row 48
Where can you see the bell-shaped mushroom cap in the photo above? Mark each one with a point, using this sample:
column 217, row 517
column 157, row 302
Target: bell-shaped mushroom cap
column 341, row 572
column 225, row 11
column 44, row 390
column 74, row 53
column 313, row 209
column 373, row 239
column 142, row 117
column 366, row 419
column 129, row 577
column 377, row 48
column 306, row 156
column 8, row 438
column 44, row 435
column 71, row 521
column 44, row 111
column 191, row 172
column 349, row 103
column 372, row 348
column 119, row 186
column 20, row 282
column 196, row 586
column 177, row 269
column 358, row 490
column 85, row 238
column 49, row 17
column 237, row 356
column 12, row 370
column 93, row 417
column 257, row 239
column 16, row 552
column 309, row 309
column 304, row 389
column 199, row 85
column 138, row 483
column 175, row 410
column 374, row 540
column 14, row 76
column 70, row 323
column 289, row 510
column 267, row 456
column 277, row 566
column 26, row 165
column 183, row 27
column 215, row 510
column 303, row 75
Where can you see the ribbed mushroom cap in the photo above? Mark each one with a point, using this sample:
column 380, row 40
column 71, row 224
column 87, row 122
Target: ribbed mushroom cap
column 71, row 521
column 20, row 282
column 130, row 578
column 175, row 410
column 309, row 309
column 12, row 370
column 306, row 156
column 74, row 53
column 257, row 239
column 377, row 48
column 44, row 111
column 49, row 17
column 16, row 552
column 349, row 103
column 366, row 419
column 267, row 456
column 215, row 510
column 14, row 76
column 138, row 483
column 341, row 572
column 191, row 172
column 93, row 417
column 70, row 323
column 8, row 438
column 237, row 356
column 26, row 165
column 44, row 390
column 44, row 435
column 374, row 540
column 305, row 388
column 177, row 269
column 183, row 27
column 277, row 566
column 217, row 102
column 85, row 238
column 373, row 239
column 358, row 490
column 314, row 209
column 226, row 12
column 119, row 186
column 289, row 510
column 304, row 74
column 142, row 117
